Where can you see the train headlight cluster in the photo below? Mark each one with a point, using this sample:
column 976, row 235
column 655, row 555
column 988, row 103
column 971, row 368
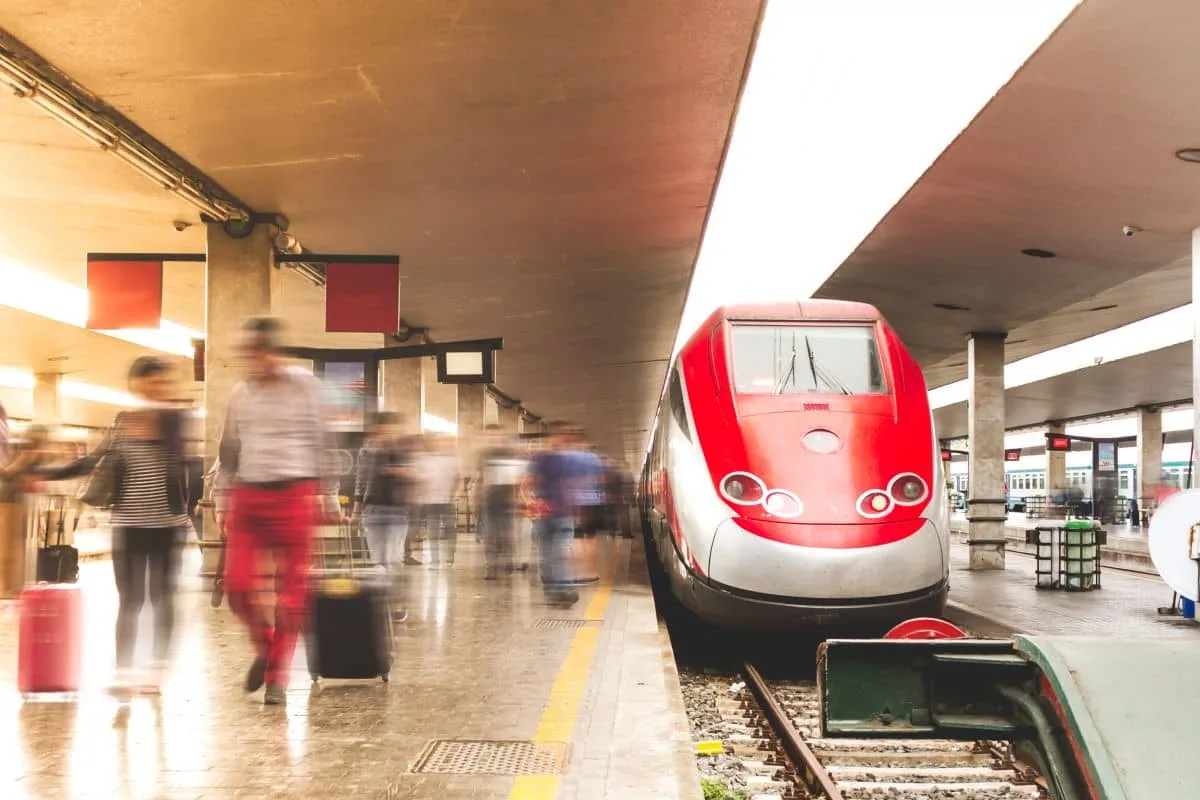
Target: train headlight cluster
column 746, row 489
column 906, row 489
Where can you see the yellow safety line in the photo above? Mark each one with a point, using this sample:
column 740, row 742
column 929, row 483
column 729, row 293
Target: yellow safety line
column 558, row 718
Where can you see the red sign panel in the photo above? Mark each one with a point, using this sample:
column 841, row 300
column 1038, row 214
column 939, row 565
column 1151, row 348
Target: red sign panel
column 946, row 455
column 1012, row 455
column 124, row 294
column 1058, row 443
column 362, row 297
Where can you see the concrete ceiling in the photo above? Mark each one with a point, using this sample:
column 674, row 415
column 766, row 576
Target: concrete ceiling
column 1160, row 376
column 1079, row 144
column 543, row 169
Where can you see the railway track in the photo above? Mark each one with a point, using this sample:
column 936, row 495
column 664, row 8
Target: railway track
column 788, row 759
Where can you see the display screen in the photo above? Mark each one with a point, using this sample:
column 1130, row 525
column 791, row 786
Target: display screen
column 1012, row 455
column 464, row 364
column 1106, row 456
column 946, row 455
column 1058, row 443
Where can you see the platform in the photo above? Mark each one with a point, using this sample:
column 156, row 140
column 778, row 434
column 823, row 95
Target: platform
column 478, row 660
column 1006, row 602
column 1126, row 549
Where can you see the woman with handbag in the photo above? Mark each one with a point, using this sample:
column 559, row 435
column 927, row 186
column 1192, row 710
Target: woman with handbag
column 140, row 472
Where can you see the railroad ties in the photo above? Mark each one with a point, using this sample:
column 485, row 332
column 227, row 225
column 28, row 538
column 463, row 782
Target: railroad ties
column 786, row 758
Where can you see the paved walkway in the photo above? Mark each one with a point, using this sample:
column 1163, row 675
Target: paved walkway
column 1007, row 601
column 475, row 661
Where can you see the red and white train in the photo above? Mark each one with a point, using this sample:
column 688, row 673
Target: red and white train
column 794, row 479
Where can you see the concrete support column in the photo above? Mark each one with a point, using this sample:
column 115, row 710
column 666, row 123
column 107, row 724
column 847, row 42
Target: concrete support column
column 1149, row 459
column 402, row 390
column 509, row 419
column 472, row 416
column 1195, row 352
column 47, row 398
column 1056, row 463
column 986, row 509
column 240, row 281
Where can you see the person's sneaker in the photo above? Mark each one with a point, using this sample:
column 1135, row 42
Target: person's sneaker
column 121, row 687
column 275, row 695
column 257, row 674
column 152, row 680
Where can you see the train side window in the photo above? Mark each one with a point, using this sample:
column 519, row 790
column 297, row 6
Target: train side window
column 675, row 398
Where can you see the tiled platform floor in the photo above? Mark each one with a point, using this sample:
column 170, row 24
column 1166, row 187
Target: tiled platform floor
column 470, row 666
column 1126, row 605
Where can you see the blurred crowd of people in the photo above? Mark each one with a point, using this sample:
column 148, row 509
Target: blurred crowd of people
column 275, row 486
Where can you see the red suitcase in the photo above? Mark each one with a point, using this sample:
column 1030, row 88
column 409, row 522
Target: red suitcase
column 48, row 650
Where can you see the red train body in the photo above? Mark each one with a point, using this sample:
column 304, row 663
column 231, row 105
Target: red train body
column 794, row 478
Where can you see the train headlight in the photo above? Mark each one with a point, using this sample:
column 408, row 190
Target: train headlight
column 822, row 442
column 743, row 489
column 908, row 489
column 781, row 503
column 874, row 503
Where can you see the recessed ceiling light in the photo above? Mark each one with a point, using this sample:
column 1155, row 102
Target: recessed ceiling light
column 1190, row 154
column 950, row 307
column 1108, row 307
column 1037, row 252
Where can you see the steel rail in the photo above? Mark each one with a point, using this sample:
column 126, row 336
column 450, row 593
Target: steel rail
column 809, row 767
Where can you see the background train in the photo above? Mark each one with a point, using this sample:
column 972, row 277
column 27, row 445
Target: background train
column 794, row 479
column 1027, row 478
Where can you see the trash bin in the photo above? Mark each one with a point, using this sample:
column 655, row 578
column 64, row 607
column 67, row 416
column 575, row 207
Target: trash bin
column 1187, row 608
column 1047, row 552
column 1080, row 555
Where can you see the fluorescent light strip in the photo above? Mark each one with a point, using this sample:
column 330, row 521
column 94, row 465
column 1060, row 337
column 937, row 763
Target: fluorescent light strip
column 37, row 293
column 1135, row 339
column 837, row 121
column 18, row 378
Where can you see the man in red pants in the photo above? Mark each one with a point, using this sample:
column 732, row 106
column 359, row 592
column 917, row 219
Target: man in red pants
column 273, row 488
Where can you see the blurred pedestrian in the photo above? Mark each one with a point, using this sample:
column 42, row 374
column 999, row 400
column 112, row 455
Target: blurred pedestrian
column 277, row 483
column 147, row 451
column 438, row 479
column 500, row 471
column 382, row 497
column 553, row 473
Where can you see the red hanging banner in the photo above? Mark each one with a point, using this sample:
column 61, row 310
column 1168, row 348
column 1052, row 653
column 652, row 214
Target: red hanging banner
column 363, row 296
column 124, row 294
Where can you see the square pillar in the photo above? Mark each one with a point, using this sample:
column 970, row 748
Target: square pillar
column 986, row 507
column 472, row 416
column 509, row 419
column 1149, row 457
column 1195, row 352
column 1056, row 464
column 441, row 399
column 402, row 390
column 47, row 398
column 240, row 281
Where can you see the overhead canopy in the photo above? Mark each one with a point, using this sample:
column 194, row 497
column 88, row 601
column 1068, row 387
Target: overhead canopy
column 1078, row 145
column 545, row 169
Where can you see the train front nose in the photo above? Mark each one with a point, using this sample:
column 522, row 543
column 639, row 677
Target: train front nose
column 909, row 559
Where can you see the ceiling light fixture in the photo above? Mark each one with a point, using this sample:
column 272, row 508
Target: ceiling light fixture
column 59, row 104
column 950, row 307
column 1037, row 252
column 1189, row 154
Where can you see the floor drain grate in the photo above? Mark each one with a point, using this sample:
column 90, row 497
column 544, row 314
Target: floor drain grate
column 482, row 757
column 559, row 623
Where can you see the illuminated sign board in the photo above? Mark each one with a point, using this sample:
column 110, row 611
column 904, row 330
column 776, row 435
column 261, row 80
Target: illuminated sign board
column 467, row 366
column 1012, row 455
column 1058, row 443
column 946, row 455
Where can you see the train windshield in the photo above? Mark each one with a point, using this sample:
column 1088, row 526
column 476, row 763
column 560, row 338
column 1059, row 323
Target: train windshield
column 796, row 359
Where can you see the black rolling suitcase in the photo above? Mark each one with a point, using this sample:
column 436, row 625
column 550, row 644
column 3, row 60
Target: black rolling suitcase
column 59, row 562
column 350, row 621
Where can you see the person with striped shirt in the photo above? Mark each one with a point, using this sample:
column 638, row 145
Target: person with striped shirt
column 150, row 446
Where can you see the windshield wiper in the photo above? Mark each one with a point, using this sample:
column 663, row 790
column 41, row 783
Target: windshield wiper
column 826, row 376
column 787, row 376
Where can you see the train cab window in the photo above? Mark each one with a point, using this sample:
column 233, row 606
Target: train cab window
column 675, row 398
column 791, row 359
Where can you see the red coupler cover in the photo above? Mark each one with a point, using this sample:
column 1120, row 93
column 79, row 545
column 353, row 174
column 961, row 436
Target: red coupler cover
column 48, row 651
